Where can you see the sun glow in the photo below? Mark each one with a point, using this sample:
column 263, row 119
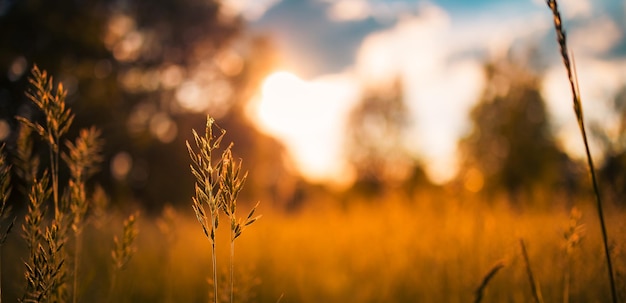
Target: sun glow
column 281, row 103
column 307, row 116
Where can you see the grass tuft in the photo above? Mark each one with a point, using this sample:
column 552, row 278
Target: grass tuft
column 218, row 183
column 44, row 264
column 207, row 183
column 58, row 118
column 45, row 274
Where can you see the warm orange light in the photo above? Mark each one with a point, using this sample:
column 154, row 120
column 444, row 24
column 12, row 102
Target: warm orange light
column 281, row 85
column 307, row 115
column 474, row 180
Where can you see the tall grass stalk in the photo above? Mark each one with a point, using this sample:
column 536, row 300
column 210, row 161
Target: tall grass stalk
column 58, row 121
column 207, row 183
column 123, row 249
column 573, row 236
column 534, row 286
column 578, row 110
column 231, row 183
column 82, row 158
column 217, row 186
column 480, row 291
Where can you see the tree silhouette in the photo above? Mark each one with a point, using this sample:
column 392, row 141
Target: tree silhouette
column 376, row 141
column 614, row 150
column 510, row 147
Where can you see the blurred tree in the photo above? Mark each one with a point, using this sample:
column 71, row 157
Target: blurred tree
column 510, row 147
column 145, row 72
column 376, row 141
column 613, row 143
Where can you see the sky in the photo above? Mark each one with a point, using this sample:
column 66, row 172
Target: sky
column 332, row 49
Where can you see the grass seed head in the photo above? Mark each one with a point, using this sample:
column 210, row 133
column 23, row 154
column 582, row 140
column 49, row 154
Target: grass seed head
column 124, row 248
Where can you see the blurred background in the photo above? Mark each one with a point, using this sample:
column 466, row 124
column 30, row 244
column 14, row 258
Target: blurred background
column 399, row 148
column 344, row 96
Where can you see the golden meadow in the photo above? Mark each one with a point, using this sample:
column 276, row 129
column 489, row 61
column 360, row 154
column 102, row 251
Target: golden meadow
column 429, row 245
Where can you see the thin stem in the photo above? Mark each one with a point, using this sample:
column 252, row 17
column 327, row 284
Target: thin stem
column 214, row 214
column 54, row 158
column 212, row 210
column 112, row 286
column 570, row 67
column 605, row 241
column 214, row 272
column 232, row 265
column 537, row 297
column 77, row 248
column 566, row 281
column 481, row 289
column 0, row 273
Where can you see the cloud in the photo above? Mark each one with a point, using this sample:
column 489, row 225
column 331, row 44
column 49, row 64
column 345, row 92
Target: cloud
column 599, row 81
column 348, row 10
column 439, row 89
column 414, row 41
column 494, row 35
column 441, row 61
column 440, row 56
column 571, row 8
column 577, row 8
column 357, row 10
column 251, row 10
column 598, row 37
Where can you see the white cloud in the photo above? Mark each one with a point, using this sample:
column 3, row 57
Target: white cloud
column 599, row 82
column 415, row 41
column 355, row 10
column 497, row 33
column 250, row 9
column 439, row 90
column 571, row 8
column 598, row 37
column 349, row 10
column 576, row 8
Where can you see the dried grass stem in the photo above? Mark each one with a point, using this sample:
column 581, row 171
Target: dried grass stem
column 570, row 66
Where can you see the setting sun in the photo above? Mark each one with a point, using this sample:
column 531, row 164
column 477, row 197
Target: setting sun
column 281, row 101
column 307, row 116
column 281, row 84
column 350, row 150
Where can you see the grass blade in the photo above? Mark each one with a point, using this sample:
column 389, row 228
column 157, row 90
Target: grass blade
column 578, row 110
